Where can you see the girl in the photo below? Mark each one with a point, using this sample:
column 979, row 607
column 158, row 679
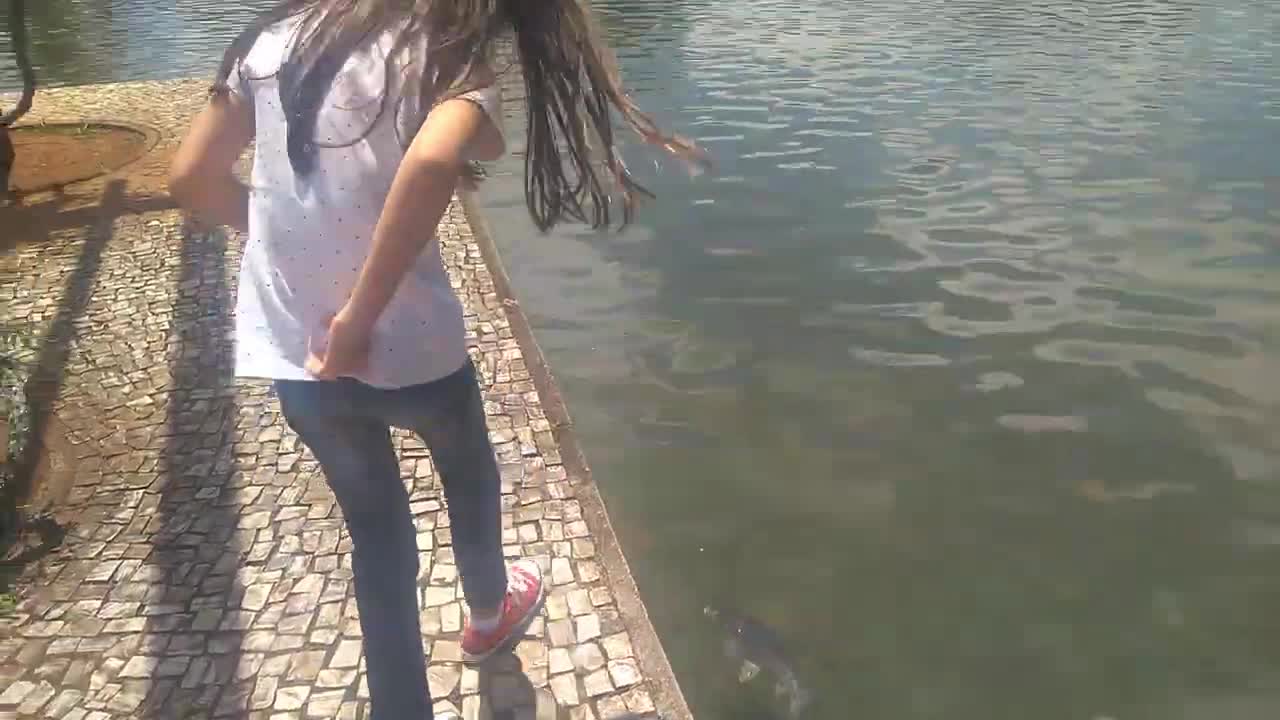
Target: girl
column 364, row 115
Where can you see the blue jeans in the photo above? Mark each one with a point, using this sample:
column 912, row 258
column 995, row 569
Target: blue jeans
column 346, row 424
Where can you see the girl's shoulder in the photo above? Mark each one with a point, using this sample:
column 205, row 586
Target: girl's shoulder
column 276, row 43
column 272, row 46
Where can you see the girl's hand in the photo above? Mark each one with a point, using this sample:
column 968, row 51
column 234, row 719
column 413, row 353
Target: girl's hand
column 343, row 351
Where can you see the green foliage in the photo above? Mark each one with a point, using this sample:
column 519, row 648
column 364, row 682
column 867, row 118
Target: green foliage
column 17, row 352
column 17, row 358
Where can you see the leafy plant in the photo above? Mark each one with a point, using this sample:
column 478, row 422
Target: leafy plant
column 16, row 354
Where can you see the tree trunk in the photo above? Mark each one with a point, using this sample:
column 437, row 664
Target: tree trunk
column 7, row 156
column 18, row 39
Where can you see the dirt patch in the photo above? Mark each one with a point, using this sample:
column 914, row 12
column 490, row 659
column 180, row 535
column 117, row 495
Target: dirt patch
column 49, row 156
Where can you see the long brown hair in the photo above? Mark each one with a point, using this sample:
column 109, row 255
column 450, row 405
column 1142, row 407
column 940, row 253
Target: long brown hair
column 571, row 84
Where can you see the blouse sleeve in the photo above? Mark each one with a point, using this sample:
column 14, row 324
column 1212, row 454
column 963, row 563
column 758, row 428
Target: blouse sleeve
column 489, row 99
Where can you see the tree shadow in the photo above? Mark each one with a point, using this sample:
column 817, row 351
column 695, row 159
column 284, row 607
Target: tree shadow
column 48, row 373
column 33, row 223
column 195, row 549
column 177, row 474
column 28, row 538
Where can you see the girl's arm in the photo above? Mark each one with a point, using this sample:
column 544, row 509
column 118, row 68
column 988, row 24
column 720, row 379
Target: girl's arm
column 456, row 131
column 201, row 177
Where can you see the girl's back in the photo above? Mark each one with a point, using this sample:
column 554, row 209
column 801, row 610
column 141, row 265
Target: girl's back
column 310, row 235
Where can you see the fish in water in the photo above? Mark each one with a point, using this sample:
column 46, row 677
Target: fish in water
column 1098, row 491
column 757, row 647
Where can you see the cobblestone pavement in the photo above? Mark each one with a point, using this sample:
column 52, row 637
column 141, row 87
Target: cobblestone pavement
column 206, row 572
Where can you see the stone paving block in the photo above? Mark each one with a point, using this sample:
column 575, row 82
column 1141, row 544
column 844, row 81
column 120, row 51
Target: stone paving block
column 264, row 693
column 579, row 602
column 325, row 704
column 557, row 606
column 347, row 654
column 451, row 618
column 560, row 661
column 588, row 658
column 624, row 673
column 587, row 627
column 443, row 679
column 618, row 646
column 335, row 678
column 446, row 651
column 612, row 708
column 565, row 689
column 532, row 655
column 16, row 692
column 598, row 683
column 292, row 698
column 560, row 632
column 306, row 666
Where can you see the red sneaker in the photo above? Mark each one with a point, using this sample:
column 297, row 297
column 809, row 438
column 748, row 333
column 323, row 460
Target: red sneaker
column 523, row 603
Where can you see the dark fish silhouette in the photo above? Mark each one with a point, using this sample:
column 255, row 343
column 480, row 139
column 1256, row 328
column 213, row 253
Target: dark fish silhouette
column 757, row 647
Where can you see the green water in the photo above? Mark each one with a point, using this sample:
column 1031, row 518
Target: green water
column 959, row 371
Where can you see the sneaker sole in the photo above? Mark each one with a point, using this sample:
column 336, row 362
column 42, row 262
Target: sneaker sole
column 517, row 632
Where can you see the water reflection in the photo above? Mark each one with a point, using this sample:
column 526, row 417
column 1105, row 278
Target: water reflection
column 93, row 41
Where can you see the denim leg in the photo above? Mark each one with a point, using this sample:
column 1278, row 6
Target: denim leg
column 449, row 416
column 360, row 466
